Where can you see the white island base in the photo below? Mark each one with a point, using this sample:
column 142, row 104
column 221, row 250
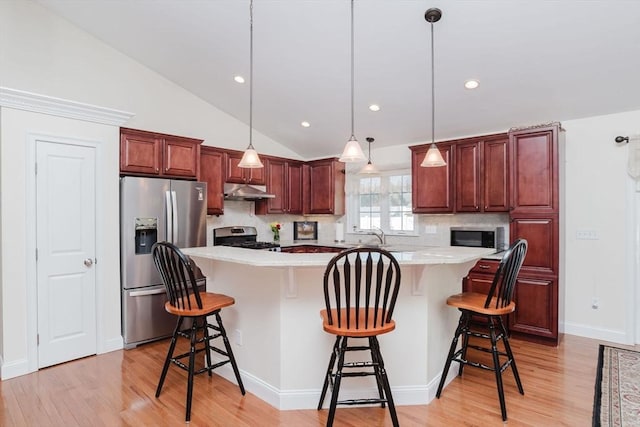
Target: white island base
column 276, row 331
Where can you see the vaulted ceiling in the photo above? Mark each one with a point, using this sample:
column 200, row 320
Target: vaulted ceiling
column 536, row 61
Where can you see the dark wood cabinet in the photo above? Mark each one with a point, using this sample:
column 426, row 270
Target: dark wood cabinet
column 238, row 175
column 481, row 174
column 323, row 187
column 294, row 188
column 284, row 180
column 480, row 276
column 534, row 170
column 155, row 154
column 534, row 215
column 541, row 234
column 468, row 188
column 495, row 173
column 475, row 179
column 432, row 187
column 212, row 171
column 536, row 316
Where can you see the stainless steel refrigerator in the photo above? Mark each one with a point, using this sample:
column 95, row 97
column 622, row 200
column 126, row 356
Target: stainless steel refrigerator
column 154, row 210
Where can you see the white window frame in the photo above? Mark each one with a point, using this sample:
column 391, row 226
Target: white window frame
column 353, row 204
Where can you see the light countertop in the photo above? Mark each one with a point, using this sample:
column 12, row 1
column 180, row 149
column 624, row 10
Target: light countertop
column 405, row 255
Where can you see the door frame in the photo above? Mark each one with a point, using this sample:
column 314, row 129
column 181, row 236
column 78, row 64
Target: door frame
column 31, row 242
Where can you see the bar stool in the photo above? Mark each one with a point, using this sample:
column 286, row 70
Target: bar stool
column 360, row 291
column 185, row 301
column 489, row 308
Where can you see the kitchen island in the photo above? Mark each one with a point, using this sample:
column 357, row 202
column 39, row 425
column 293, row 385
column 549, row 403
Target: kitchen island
column 276, row 330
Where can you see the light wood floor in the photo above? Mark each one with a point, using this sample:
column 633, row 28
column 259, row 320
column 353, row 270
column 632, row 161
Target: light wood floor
column 117, row 389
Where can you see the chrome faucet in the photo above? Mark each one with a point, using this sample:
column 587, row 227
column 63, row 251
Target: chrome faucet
column 380, row 236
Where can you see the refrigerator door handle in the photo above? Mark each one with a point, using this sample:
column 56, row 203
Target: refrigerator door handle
column 169, row 213
column 174, row 207
column 146, row 293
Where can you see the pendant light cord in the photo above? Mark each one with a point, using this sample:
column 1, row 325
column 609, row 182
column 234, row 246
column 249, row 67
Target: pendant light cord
column 433, row 94
column 352, row 79
column 251, row 73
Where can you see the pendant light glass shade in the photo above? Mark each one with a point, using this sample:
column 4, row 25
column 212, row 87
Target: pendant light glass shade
column 369, row 168
column 250, row 158
column 352, row 152
column 433, row 158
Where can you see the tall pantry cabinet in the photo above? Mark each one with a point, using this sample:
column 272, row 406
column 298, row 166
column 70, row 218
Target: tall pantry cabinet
column 534, row 215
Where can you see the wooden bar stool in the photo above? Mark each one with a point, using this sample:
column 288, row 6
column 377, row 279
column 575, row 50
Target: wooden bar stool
column 185, row 301
column 360, row 291
column 490, row 308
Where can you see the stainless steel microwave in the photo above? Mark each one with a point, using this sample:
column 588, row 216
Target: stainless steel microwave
column 478, row 237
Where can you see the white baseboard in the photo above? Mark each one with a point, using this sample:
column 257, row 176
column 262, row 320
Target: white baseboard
column 15, row 369
column 602, row 334
column 308, row 399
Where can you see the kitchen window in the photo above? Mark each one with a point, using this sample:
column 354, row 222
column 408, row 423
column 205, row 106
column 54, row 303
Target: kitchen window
column 382, row 201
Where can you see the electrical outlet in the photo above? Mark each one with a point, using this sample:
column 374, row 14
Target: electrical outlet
column 587, row 235
column 238, row 337
column 430, row 229
column 595, row 303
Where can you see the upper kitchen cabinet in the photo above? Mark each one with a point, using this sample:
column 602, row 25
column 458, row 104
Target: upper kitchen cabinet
column 495, row 174
column 323, row 187
column 481, row 174
column 468, row 177
column 284, row 180
column 238, row 175
column 432, row 187
column 212, row 171
column 534, row 169
column 156, row 154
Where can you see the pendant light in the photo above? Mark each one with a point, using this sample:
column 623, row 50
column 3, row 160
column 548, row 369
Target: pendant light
column 250, row 158
column 352, row 151
column 433, row 157
column 369, row 168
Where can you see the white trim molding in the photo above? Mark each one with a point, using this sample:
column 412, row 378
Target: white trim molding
column 286, row 400
column 37, row 103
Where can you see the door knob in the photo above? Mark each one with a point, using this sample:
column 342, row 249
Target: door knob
column 88, row 262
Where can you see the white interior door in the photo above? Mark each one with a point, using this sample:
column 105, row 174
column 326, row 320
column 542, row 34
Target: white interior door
column 65, row 221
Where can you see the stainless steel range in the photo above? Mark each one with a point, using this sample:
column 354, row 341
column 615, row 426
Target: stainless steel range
column 241, row 237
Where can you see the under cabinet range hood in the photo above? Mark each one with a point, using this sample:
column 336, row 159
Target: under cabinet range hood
column 246, row 192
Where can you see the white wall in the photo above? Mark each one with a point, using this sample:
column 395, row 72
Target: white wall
column 596, row 200
column 42, row 53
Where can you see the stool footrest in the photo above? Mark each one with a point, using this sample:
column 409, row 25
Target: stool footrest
column 366, row 364
column 371, row 401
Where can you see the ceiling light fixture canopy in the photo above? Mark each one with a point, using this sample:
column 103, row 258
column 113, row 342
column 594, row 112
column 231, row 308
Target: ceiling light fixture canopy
column 352, row 151
column 433, row 157
column 369, row 168
column 250, row 158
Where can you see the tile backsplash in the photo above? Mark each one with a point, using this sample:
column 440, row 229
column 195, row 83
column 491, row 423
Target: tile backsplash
column 433, row 229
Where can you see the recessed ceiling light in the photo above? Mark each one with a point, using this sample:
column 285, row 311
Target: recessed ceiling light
column 374, row 107
column 471, row 84
column 305, row 124
column 239, row 79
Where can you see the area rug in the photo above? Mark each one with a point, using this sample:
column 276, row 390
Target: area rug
column 617, row 393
